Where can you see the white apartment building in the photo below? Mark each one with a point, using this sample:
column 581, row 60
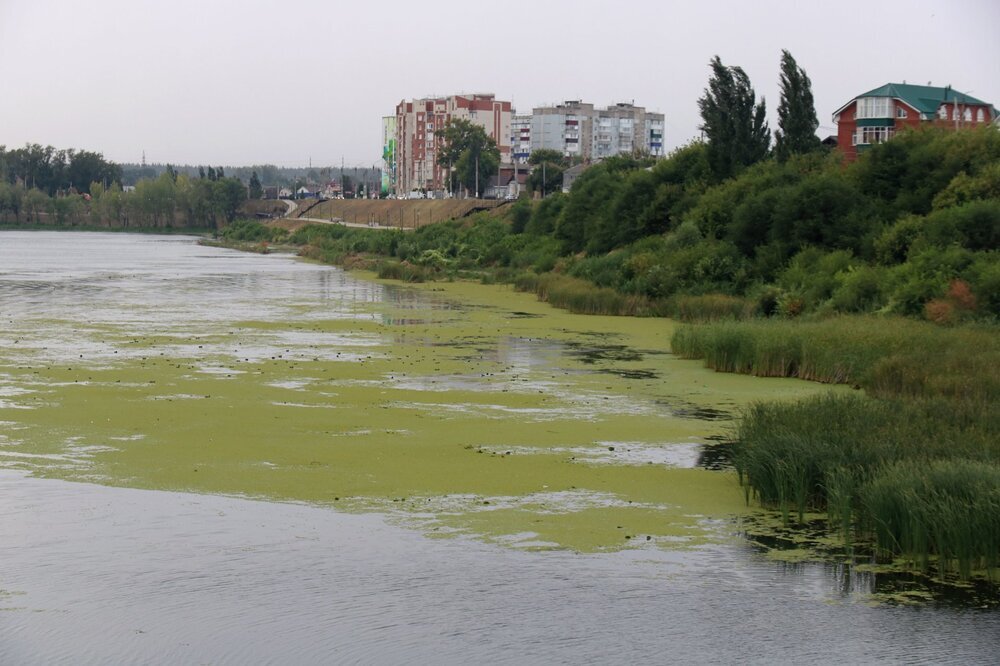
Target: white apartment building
column 520, row 138
column 577, row 129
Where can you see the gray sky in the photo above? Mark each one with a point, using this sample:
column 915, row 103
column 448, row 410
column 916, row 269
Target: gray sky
column 242, row 82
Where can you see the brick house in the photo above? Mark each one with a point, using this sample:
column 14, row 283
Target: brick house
column 874, row 116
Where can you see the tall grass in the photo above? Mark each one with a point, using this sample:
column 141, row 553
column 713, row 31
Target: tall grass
column 711, row 307
column 580, row 296
column 887, row 356
column 912, row 467
column 948, row 509
column 912, row 476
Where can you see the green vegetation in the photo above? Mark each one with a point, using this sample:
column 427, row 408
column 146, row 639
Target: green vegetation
column 913, row 469
column 52, row 171
column 881, row 274
column 81, row 189
column 547, row 166
column 732, row 120
column 912, row 228
column 918, row 478
column 887, row 356
column 471, row 154
column 797, row 122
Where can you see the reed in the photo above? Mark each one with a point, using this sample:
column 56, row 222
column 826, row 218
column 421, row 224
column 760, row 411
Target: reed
column 887, row 356
column 402, row 270
column 919, row 478
column 948, row 510
column 580, row 296
column 711, row 307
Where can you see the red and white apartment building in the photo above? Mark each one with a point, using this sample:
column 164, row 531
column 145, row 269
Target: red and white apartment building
column 419, row 123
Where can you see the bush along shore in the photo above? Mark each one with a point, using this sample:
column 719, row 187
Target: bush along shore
column 913, row 467
column 883, row 274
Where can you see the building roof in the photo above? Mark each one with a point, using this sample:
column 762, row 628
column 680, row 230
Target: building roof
column 925, row 99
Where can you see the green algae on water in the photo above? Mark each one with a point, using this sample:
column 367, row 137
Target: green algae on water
column 456, row 408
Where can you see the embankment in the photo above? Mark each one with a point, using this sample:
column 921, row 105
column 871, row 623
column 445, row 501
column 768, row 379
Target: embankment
column 407, row 214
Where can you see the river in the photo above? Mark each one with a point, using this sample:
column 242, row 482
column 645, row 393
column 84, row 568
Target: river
column 215, row 457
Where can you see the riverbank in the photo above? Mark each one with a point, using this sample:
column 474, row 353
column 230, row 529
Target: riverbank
column 912, row 470
column 941, row 382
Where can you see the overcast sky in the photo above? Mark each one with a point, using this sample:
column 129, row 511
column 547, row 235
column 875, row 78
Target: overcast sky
column 248, row 82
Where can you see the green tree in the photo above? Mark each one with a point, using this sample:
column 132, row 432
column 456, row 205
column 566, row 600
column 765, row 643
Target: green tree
column 733, row 122
column 546, row 175
column 797, row 122
column 468, row 150
column 35, row 202
column 228, row 194
column 256, row 190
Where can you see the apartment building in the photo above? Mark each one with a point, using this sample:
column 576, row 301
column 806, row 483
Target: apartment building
column 419, row 123
column 520, row 138
column 578, row 129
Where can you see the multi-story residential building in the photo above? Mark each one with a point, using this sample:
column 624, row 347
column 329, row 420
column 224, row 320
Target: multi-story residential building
column 418, row 139
column 520, row 138
column 874, row 117
column 577, row 129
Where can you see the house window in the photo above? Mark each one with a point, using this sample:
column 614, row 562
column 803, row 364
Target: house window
column 874, row 107
column 980, row 116
column 870, row 135
column 967, row 115
column 943, row 112
column 900, row 112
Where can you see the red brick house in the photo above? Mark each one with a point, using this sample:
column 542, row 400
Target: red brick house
column 874, row 116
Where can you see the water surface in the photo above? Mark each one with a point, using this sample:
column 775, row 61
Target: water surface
column 268, row 449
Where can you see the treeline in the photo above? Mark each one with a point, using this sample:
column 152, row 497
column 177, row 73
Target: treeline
column 53, row 171
column 268, row 174
column 913, row 227
column 169, row 201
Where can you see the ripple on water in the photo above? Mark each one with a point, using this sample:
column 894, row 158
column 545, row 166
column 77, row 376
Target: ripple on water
column 175, row 578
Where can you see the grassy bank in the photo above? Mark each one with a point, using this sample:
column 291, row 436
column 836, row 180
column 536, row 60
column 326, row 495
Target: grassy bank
column 889, row 357
column 913, row 468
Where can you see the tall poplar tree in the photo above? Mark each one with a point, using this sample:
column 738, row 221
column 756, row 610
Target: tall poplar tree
column 733, row 122
column 797, row 120
column 255, row 189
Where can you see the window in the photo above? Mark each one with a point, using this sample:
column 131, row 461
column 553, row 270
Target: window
column 874, row 107
column 870, row 135
column 900, row 112
column 967, row 115
column 980, row 116
column 943, row 112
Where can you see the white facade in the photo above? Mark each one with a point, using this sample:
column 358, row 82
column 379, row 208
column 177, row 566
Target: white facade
column 577, row 129
column 520, row 138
